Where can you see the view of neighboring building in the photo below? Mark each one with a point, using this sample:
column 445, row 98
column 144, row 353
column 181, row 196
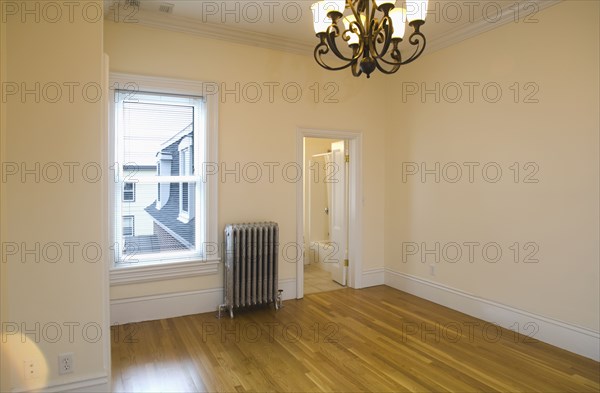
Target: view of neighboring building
column 157, row 217
column 137, row 224
column 174, row 211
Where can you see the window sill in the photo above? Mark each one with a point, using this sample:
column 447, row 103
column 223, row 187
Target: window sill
column 184, row 218
column 162, row 271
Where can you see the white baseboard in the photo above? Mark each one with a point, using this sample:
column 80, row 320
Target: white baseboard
column 582, row 341
column 171, row 305
column 89, row 384
column 373, row 277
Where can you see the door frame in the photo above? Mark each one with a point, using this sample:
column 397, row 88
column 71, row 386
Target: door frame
column 355, row 203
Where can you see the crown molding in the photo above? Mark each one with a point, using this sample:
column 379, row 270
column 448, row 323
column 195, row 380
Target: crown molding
column 219, row 31
column 469, row 30
column 270, row 41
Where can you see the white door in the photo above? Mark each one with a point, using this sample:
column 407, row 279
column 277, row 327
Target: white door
column 335, row 173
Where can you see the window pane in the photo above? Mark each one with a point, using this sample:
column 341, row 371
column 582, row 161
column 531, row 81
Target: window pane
column 149, row 128
column 158, row 225
column 157, row 140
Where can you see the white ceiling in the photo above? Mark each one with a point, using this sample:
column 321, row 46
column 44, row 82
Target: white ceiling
column 287, row 24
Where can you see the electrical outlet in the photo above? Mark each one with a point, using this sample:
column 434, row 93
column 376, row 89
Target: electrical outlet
column 432, row 269
column 65, row 363
column 31, row 369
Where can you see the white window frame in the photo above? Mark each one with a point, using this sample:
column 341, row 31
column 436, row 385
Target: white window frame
column 163, row 269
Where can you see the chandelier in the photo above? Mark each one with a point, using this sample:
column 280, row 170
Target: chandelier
column 373, row 38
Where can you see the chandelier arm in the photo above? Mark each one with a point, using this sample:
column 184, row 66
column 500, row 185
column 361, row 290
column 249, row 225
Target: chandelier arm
column 332, row 44
column 358, row 21
column 416, row 38
column 356, row 6
column 383, row 33
column 322, row 49
column 396, row 55
column 369, row 36
column 372, row 17
column 352, row 4
column 395, row 67
column 356, row 71
column 361, row 48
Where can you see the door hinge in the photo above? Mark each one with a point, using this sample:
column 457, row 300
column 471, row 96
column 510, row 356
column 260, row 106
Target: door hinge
column 347, row 158
column 346, row 263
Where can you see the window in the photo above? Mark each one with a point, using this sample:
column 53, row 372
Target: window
column 129, row 192
column 128, row 226
column 162, row 131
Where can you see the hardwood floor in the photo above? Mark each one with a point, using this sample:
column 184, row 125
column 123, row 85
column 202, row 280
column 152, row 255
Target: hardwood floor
column 374, row 339
column 317, row 279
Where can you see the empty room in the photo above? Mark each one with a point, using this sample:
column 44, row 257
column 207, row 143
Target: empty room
column 300, row 196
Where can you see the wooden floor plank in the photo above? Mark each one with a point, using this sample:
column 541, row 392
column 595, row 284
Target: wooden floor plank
column 376, row 339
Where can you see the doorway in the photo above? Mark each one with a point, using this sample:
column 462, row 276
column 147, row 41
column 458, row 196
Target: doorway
column 325, row 215
column 328, row 212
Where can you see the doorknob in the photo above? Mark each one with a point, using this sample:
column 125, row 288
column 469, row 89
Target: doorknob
column 326, row 210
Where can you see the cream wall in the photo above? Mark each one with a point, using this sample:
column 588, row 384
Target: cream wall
column 559, row 134
column 260, row 132
column 53, row 299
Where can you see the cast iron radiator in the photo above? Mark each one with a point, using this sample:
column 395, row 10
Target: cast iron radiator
column 251, row 259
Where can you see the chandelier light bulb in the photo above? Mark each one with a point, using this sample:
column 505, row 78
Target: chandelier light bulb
column 320, row 20
column 398, row 17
